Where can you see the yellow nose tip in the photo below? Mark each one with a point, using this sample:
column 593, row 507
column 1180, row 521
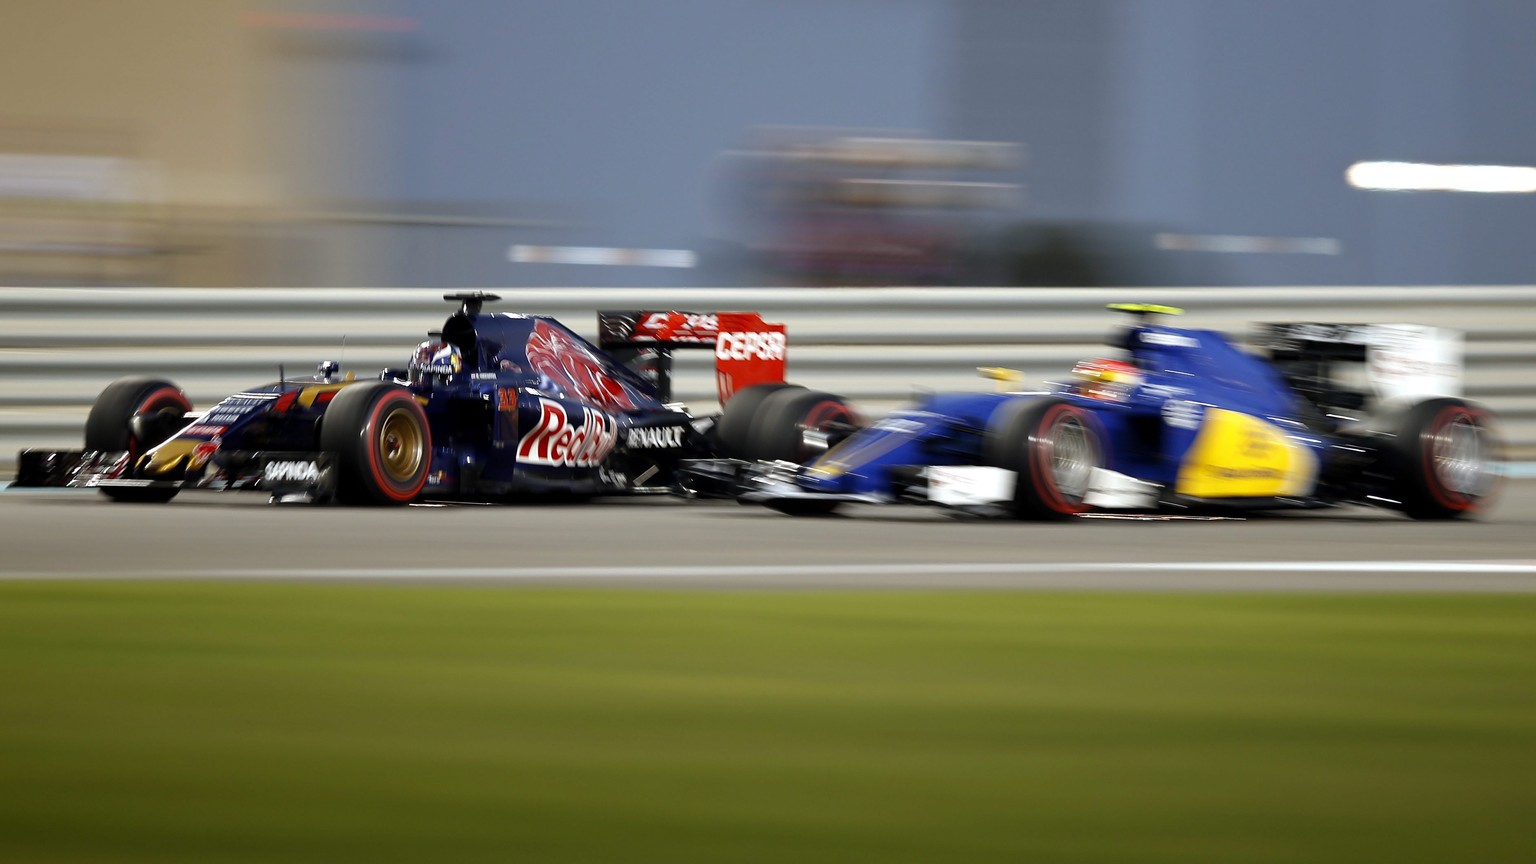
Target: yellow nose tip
column 166, row 458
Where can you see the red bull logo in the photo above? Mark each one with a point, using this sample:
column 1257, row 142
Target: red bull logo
column 554, row 440
column 579, row 373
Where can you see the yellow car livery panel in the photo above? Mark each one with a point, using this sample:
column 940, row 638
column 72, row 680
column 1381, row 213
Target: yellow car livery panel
column 1235, row 455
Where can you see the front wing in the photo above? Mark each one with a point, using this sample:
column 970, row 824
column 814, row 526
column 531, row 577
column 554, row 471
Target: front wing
column 280, row 473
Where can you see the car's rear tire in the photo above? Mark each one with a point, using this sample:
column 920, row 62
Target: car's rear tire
column 1445, row 455
column 134, row 415
column 779, row 430
column 382, row 444
column 733, row 431
column 1053, row 446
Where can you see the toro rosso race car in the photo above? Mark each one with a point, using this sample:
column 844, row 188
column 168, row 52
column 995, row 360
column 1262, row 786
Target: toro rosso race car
column 1183, row 419
column 492, row 405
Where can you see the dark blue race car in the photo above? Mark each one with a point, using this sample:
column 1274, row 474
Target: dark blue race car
column 1180, row 420
column 492, row 405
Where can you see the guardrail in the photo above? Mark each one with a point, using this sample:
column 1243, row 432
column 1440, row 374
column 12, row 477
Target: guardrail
column 60, row 346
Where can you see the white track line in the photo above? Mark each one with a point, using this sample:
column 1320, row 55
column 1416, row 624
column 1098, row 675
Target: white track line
column 1205, row 576
column 1004, row 568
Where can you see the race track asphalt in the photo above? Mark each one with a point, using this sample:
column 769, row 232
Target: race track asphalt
column 77, row 534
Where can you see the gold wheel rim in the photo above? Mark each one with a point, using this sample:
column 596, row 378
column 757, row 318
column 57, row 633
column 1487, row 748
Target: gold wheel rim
column 400, row 442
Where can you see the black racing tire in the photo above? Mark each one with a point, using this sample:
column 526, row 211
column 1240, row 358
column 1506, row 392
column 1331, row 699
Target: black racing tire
column 778, row 433
column 134, row 415
column 734, row 429
column 1053, row 446
column 381, row 441
column 1445, row 455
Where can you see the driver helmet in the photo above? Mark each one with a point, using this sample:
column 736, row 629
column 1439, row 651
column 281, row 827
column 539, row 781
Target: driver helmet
column 1110, row 380
column 435, row 360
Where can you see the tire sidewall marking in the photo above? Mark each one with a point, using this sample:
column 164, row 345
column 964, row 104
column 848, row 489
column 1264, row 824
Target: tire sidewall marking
column 1042, row 446
column 1444, row 419
column 170, row 397
column 818, row 417
column 371, row 447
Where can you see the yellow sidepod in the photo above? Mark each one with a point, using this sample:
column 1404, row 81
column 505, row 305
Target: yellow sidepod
column 1240, row 456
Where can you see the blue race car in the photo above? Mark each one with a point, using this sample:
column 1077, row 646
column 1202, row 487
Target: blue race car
column 1182, row 420
column 492, row 405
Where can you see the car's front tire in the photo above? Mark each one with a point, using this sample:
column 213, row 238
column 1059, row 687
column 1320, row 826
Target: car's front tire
column 382, row 444
column 133, row 415
column 1053, row 446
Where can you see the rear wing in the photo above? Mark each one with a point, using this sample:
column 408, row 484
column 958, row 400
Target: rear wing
column 1393, row 363
column 748, row 350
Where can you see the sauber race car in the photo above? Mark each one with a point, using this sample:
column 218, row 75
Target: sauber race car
column 1183, row 419
column 492, row 405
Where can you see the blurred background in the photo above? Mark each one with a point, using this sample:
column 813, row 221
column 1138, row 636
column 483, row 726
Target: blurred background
column 722, row 143
column 751, row 142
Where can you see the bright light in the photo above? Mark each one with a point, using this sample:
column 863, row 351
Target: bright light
column 602, row 255
column 1236, row 243
column 1422, row 177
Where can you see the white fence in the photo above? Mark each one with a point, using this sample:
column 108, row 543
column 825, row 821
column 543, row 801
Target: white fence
column 60, row 346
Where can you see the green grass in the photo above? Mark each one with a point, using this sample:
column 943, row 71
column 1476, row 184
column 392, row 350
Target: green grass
column 208, row 723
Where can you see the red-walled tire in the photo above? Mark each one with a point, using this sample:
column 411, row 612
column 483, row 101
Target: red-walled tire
column 778, row 431
column 134, row 415
column 1446, row 454
column 1053, row 446
column 379, row 436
